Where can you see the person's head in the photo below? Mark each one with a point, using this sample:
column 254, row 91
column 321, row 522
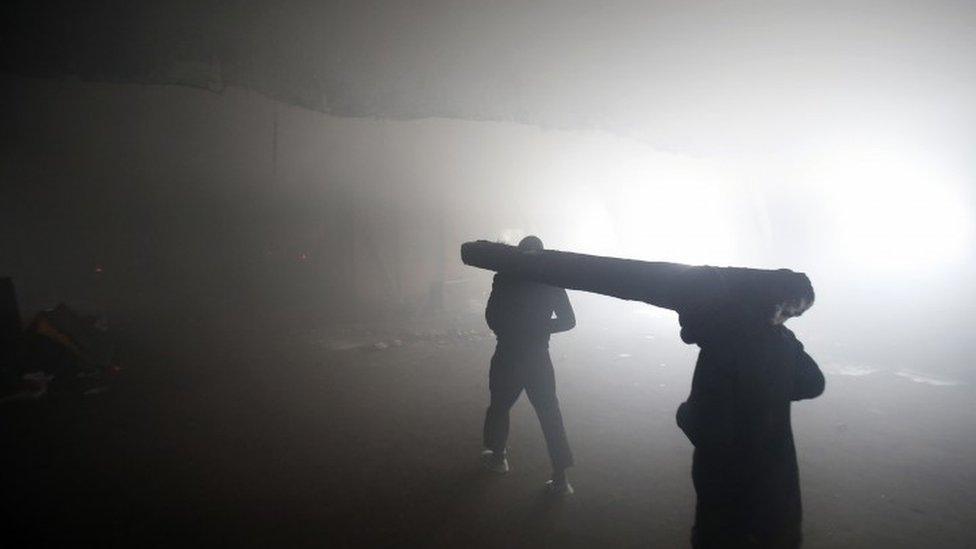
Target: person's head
column 531, row 244
column 788, row 310
column 794, row 296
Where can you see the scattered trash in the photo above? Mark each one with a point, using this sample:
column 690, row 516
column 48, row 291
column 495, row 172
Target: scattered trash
column 347, row 338
column 60, row 353
column 854, row 370
column 928, row 380
column 32, row 386
column 81, row 335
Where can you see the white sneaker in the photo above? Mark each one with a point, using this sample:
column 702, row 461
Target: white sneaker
column 492, row 462
column 559, row 489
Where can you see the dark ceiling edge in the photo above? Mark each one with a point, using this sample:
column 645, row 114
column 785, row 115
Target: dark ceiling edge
column 271, row 96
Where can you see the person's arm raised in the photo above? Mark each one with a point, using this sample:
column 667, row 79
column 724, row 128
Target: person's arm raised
column 491, row 310
column 565, row 317
column 808, row 380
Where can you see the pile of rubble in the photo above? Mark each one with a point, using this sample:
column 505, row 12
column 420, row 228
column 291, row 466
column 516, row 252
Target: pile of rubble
column 350, row 338
column 60, row 352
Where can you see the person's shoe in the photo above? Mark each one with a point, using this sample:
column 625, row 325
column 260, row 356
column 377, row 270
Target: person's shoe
column 559, row 488
column 493, row 462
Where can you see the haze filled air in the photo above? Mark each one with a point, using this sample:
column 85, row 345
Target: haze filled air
column 234, row 308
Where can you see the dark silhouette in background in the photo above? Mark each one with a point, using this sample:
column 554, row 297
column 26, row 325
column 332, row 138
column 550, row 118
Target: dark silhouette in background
column 738, row 418
column 520, row 313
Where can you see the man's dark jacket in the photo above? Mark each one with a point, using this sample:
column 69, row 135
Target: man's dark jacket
column 738, row 418
column 520, row 313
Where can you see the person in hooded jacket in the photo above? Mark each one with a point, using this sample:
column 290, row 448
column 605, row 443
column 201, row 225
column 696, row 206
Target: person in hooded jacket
column 737, row 416
column 523, row 315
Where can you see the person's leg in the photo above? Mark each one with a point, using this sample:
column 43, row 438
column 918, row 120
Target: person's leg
column 720, row 520
column 505, row 387
column 776, row 517
column 540, row 386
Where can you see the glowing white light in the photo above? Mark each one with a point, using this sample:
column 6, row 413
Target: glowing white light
column 511, row 236
column 892, row 209
column 636, row 202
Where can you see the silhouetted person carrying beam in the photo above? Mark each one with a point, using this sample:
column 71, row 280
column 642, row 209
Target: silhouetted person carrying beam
column 738, row 418
column 749, row 371
column 520, row 313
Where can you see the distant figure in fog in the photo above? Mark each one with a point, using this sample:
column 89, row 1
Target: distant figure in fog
column 738, row 418
column 521, row 315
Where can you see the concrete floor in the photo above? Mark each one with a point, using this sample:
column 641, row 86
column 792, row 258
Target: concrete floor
column 275, row 439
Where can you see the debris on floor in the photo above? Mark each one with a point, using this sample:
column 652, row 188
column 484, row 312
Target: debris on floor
column 60, row 353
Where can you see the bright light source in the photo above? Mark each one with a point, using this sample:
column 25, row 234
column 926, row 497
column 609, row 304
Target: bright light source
column 891, row 208
column 634, row 201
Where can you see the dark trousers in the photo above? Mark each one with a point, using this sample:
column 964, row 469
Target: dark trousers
column 514, row 368
column 741, row 508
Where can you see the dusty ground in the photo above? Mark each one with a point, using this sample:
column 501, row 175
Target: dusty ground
column 296, row 437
